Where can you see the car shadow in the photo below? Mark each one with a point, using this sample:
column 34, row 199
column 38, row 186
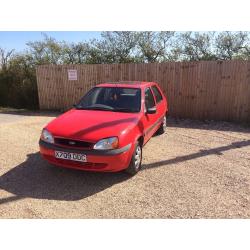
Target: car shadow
column 35, row 178
column 208, row 125
column 38, row 179
column 199, row 154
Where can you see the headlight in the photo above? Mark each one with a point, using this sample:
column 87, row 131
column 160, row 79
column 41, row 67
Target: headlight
column 47, row 136
column 108, row 143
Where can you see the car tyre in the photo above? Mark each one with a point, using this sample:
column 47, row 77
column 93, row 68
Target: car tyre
column 135, row 163
column 163, row 126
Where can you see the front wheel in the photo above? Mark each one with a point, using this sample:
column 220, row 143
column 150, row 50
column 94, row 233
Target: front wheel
column 163, row 126
column 135, row 163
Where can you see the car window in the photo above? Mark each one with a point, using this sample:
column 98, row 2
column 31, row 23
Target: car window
column 157, row 94
column 112, row 98
column 149, row 99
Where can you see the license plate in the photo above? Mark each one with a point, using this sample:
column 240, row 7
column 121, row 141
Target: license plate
column 70, row 156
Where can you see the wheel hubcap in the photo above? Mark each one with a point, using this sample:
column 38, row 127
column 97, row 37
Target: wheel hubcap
column 137, row 157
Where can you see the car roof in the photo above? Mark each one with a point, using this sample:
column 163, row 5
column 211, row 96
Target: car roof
column 126, row 84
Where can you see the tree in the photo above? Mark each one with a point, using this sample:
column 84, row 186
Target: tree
column 230, row 45
column 18, row 83
column 75, row 53
column 114, row 47
column 153, row 46
column 196, row 46
column 47, row 51
column 5, row 57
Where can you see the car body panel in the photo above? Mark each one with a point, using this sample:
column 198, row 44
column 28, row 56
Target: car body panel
column 93, row 125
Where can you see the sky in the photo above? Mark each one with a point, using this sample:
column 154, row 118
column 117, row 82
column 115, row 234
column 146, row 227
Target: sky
column 17, row 39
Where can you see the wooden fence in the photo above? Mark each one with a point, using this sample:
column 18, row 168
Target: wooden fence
column 211, row 90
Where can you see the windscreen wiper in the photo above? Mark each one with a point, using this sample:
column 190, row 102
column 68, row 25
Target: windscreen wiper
column 94, row 108
column 124, row 110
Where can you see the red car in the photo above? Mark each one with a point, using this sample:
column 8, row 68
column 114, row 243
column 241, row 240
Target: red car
column 107, row 129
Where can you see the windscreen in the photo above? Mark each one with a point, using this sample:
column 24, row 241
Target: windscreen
column 113, row 99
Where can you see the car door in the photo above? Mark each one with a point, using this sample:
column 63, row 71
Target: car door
column 149, row 120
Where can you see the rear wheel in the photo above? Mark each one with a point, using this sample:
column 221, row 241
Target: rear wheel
column 163, row 126
column 135, row 163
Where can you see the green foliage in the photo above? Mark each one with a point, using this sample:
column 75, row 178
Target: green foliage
column 18, row 86
column 114, row 47
column 153, row 45
column 47, row 51
column 74, row 53
column 196, row 46
column 232, row 45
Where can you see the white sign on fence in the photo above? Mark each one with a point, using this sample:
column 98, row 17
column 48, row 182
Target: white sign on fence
column 72, row 74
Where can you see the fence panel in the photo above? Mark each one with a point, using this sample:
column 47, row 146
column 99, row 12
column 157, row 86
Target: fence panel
column 198, row 90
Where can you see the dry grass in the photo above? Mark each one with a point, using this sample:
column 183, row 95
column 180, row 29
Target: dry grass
column 196, row 170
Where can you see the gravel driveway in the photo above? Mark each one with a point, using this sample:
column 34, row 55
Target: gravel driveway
column 7, row 118
column 195, row 170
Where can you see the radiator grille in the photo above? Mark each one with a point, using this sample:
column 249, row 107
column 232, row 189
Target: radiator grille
column 73, row 143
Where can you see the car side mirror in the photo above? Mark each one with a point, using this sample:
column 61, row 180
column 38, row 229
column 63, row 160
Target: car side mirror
column 151, row 110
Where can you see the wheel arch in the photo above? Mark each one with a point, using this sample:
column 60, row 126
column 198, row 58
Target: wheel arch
column 140, row 138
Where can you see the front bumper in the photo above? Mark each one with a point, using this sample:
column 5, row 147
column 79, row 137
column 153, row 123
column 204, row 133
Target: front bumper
column 97, row 160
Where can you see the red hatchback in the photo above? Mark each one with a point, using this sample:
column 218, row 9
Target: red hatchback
column 107, row 129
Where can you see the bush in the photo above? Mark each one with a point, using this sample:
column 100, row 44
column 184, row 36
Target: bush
column 18, row 89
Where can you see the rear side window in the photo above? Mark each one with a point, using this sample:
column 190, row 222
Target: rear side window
column 149, row 99
column 157, row 94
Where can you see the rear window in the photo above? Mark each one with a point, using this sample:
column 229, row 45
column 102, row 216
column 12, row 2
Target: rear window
column 157, row 94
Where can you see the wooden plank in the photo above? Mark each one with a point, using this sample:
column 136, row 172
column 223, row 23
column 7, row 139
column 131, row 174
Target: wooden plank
column 198, row 90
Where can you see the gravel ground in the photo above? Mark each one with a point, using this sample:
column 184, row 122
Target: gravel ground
column 195, row 170
column 6, row 118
